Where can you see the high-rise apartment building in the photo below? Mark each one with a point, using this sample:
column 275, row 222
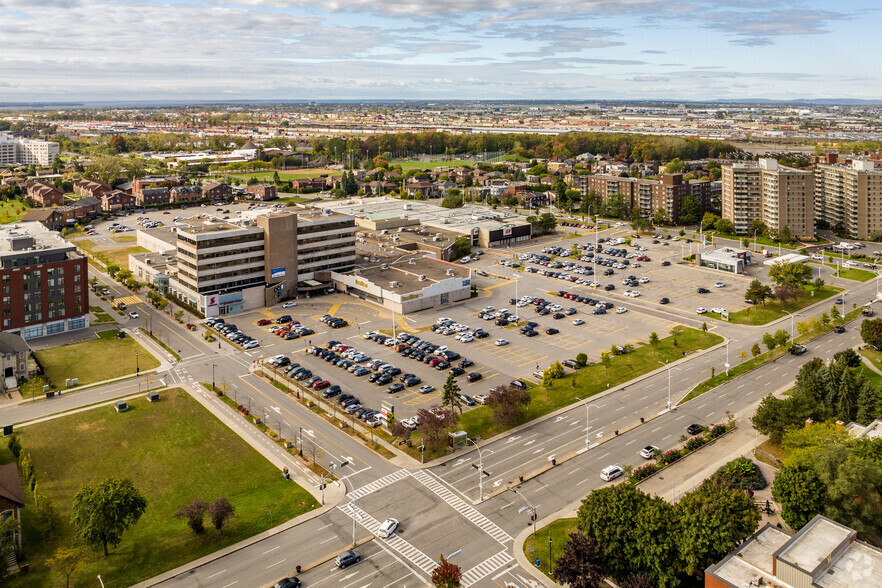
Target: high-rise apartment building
column 647, row 195
column 27, row 152
column 771, row 193
column 848, row 194
column 43, row 282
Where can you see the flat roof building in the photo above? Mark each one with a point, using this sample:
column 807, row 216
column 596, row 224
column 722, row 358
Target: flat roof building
column 27, row 152
column 725, row 259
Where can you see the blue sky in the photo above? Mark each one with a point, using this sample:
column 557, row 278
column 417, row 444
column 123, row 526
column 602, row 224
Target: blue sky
column 441, row 49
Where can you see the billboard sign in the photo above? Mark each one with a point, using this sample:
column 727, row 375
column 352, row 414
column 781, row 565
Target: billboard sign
column 277, row 272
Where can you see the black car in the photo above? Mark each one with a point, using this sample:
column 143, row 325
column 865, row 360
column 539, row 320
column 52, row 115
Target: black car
column 412, row 381
column 608, row 272
column 442, row 365
column 375, row 376
column 666, row 263
column 558, row 315
column 292, row 582
column 331, row 392
column 392, row 371
column 838, row 329
column 531, row 325
column 466, row 363
column 609, row 287
column 474, row 376
column 396, row 387
column 344, row 398
column 694, row 429
column 383, row 380
column 520, row 384
column 531, row 333
column 467, row 399
column 551, row 331
column 798, row 349
column 457, row 371
column 543, row 311
column 285, row 318
column 703, row 291
column 663, row 301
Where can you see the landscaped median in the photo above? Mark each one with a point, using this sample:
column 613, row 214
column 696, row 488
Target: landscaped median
column 848, row 273
column 762, row 359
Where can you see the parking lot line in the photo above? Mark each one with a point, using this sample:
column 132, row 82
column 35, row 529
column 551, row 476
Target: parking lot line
column 498, row 285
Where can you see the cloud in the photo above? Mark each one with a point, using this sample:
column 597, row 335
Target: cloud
column 432, row 48
column 654, row 51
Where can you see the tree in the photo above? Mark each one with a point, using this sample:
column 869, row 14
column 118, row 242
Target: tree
column 769, row 341
column 755, row 350
column 725, row 226
column 555, row 370
column 220, row 511
column 446, row 575
column 195, row 515
column 637, row 580
column 106, row 167
column 508, row 404
column 852, row 484
column 775, row 417
column 690, row 210
column 709, row 221
column 66, row 561
column 834, row 313
column 660, row 217
column 9, row 528
column 434, row 425
column 871, row 332
column 782, row 336
column 452, row 201
column 800, row 492
column 793, row 275
column 676, row 166
column 102, row 511
column 582, row 359
column 606, row 518
column 462, row 246
column 758, row 292
column 787, row 293
column 713, row 520
column 578, row 565
column 654, row 340
column 450, row 394
column 785, row 235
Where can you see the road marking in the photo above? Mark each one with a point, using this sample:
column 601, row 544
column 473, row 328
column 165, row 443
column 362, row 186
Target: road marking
column 273, row 549
column 326, row 540
column 275, row 564
column 655, row 429
column 216, row 574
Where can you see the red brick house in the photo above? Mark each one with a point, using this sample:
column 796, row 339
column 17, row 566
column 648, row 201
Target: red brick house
column 11, row 495
column 85, row 188
column 320, row 183
column 262, row 191
column 185, row 193
column 117, row 200
column 44, row 194
column 148, row 182
column 147, row 196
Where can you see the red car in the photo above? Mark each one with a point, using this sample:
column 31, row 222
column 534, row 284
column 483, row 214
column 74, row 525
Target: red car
column 321, row 384
column 263, row 322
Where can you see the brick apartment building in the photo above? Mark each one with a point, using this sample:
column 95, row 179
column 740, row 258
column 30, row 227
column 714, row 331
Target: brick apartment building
column 84, row 188
column 185, row 193
column 216, row 191
column 320, row 183
column 148, row 196
column 147, row 182
column 261, row 191
column 44, row 194
column 43, row 282
column 117, row 200
column 648, row 196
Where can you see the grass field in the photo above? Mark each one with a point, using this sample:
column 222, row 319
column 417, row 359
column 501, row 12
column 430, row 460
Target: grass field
column 88, row 360
column 859, row 275
column 119, row 256
column 592, row 380
column 174, row 451
column 288, row 200
column 12, row 211
column 875, row 379
column 124, row 238
column 774, row 310
column 538, row 546
column 763, row 241
column 286, row 175
column 407, row 165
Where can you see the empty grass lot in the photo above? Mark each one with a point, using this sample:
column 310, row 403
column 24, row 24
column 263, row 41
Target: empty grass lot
column 408, row 165
column 117, row 255
column 559, row 533
column 124, row 238
column 773, row 310
column 592, row 380
column 89, row 360
column 12, row 211
column 286, row 175
column 174, row 451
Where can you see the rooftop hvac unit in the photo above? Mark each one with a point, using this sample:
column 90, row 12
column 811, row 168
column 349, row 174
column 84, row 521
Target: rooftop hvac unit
column 401, row 229
column 411, row 261
column 393, row 284
column 436, row 238
column 148, row 261
column 422, row 278
column 449, row 272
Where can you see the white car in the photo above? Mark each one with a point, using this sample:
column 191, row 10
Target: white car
column 718, row 310
column 134, row 315
column 442, row 349
column 488, row 309
column 465, row 260
column 480, row 398
column 501, row 342
column 700, row 310
column 611, row 473
column 251, row 345
column 719, row 285
column 621, row 310
column 426, row 388
column 387, row 528
column 370, row 334
column 648, row 452
column 466, row 338
column 633, row 293
column 643, row 280
column 443, row 319
column 578, row 322
column 289, row 304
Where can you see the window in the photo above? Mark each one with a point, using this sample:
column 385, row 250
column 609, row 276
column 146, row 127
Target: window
column 56, row 327
column 33, row 331
column 7, row 322
column 76, row 323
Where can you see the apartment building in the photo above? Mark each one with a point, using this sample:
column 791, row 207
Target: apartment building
column 647, row 195
column 261, row 191
column 742, row 195
column 27, row 152
column 268, row 255
column 44, row 194
column 43, row 281
column 84, row 188
column 848, row 194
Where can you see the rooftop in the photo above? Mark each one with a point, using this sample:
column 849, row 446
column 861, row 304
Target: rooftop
column 753, row 559
column 19, row 237
column 856, row 567
column 814, row 543
column 410, row 276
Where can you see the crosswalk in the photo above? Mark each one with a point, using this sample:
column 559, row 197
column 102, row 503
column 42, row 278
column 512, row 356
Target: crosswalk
column 461, row 507
column 128, row 300
column 411, row 553
column 377, row 484
column 486, row 567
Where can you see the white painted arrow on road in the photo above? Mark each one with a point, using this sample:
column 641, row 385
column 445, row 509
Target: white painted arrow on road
column 497, row 483
column 512, row 439
column 277, row 409
column 309, row 432
column 460, row 461
column 349, row 576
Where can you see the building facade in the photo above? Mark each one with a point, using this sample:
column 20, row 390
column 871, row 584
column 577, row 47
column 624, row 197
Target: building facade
column 43, row 281
column 647, row 195
column 262, row 191
column 742, row 195
column 27, row 152
column 848, row 194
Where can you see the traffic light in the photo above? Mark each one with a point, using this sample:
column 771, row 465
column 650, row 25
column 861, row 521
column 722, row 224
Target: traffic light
column 485, row 472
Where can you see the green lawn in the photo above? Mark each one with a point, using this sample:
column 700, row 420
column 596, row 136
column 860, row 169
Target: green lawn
column 289, row 200
column 119, row 256
column 408, row 165
column 764, row 241
column 100, row 317
column 88, row 360
column 174, row 451
column 124, row 238
column 538, row 546
column 12, row 211
column 773, row 310
column 875, row 379
column 592, row 380
column 859, row 275
column 284, row 176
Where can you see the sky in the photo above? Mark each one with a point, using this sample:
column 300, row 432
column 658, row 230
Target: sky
column 99, row 50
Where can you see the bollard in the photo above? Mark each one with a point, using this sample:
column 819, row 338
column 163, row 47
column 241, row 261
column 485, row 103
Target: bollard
column 641, row 420
column 521, row 478
column 298, row 569
column 617, row 431
column 554, row 462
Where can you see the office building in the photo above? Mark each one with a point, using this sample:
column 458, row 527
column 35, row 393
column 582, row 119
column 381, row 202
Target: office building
column 848, row 194
column 43, row 280
column 27, row 152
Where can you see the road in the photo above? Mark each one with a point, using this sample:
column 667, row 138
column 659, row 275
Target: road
column 438, row 506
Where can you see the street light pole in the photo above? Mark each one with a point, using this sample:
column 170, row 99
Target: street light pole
column 137, row 365
column 755, row 242
column 212, row 377
column 587, row 420
column 529, row 507
column 480, row 469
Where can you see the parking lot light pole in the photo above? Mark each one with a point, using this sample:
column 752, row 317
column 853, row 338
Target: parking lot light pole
column 480, row 468
column 212, row 377
column 529, row 507
column 664, row 363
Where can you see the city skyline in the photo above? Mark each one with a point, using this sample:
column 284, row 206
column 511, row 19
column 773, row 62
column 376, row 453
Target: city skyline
column 97, row 50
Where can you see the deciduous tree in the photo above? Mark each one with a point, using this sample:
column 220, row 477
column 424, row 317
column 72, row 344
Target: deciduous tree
column 800, row 492
column 758, row 292
column 194, row 513
column 102, row 512
column 66, row 561
column 446, row 574
column 578, row 565
column 793, row 275
column 220, row 511
column 508, row 404
column 871, row 332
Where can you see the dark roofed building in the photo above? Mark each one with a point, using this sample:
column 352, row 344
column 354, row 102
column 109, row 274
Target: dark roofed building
column 49, row 217
column 11, row 496
column 14, row 353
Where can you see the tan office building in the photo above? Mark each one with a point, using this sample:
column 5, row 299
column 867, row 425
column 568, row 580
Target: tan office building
column 848, row 194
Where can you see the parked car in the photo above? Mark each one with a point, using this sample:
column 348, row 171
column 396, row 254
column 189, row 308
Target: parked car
column 474, row 376
column 648, row 452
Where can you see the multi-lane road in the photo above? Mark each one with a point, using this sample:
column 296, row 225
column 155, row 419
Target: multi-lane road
column 438, row 505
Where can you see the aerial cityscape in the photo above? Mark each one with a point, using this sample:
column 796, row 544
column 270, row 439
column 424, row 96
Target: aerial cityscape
column 413, row 294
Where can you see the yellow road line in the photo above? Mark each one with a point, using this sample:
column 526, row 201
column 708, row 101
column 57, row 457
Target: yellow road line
column 498, row 285
column 334, row 308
